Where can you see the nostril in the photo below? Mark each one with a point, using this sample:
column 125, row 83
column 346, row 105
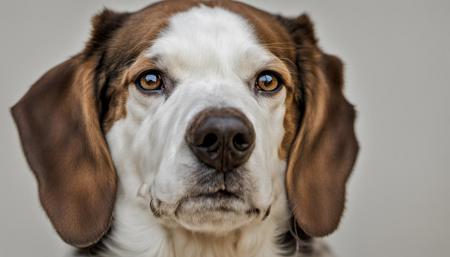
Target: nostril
column 209, row 141
column 240, row 142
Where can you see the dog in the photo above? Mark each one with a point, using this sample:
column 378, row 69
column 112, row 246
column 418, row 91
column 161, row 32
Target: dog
column 192, row 128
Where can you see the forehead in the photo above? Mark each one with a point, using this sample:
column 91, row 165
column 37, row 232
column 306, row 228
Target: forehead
column 211, row 40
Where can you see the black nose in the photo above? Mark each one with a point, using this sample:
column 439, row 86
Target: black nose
column 222, row 138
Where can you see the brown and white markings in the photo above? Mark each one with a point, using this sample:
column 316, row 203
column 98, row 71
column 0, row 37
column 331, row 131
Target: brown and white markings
column 192, row 128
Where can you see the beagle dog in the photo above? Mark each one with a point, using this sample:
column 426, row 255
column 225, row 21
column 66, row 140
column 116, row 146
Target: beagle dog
column 192, row 128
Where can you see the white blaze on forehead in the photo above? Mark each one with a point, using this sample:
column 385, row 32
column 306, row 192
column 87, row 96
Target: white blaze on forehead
column 209, row 42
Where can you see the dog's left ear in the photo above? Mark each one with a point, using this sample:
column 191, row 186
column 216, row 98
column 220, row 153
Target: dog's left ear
column 325, row 148
column 60, row 130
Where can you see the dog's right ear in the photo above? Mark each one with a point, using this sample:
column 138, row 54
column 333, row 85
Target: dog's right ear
column 60, row 131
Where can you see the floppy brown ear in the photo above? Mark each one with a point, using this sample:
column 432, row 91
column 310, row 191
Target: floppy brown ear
column 325, row 148
column 60, row 132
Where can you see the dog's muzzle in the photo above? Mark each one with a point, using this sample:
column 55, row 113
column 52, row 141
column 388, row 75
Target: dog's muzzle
column 218, row 191
column 221, row 138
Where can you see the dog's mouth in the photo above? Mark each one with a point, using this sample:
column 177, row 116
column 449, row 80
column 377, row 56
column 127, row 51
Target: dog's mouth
column 220, row 195
column 215, row 202
column 218, row 201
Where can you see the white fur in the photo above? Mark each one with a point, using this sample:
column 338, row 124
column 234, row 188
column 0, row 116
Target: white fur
column 213, row 55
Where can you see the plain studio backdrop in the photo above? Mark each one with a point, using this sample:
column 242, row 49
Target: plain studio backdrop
column 397, row 56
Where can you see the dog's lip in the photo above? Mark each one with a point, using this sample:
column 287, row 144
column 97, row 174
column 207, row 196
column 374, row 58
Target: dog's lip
column 219, row 194
column 214, row 200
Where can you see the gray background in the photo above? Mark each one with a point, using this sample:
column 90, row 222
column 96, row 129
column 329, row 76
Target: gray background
column 398, row 73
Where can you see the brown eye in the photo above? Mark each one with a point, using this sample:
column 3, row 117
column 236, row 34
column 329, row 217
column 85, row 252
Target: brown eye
column 268, row 82
column 150, row 81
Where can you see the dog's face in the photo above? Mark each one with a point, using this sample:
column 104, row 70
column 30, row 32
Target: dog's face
column 212, row 100
column 208, row 114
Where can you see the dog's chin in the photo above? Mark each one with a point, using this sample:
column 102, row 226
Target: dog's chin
column 216, row 213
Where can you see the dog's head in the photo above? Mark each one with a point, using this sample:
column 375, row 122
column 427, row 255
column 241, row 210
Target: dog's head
column 210, row 112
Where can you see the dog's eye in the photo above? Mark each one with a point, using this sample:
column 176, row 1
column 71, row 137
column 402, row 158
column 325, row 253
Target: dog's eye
column 150, row 81
column 268, row 81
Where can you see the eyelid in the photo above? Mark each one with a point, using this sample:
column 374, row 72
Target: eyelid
column 140, row 66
